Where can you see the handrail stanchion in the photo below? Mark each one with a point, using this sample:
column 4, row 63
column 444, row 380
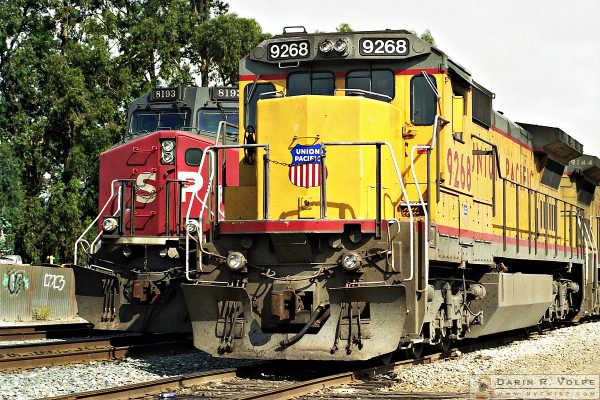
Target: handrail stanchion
column 404, row 193
column 123, row 189
column 425, row 205
column 211, row 150
column 266, row 184
column 378, row 191
column 323, row 187
column 80, row 239
column 132, row 210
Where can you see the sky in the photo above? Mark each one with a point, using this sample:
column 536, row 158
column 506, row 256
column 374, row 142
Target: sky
column 541, row 58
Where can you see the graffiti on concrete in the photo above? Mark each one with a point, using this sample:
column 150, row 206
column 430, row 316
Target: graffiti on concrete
column 52, row 281
column 15, row 281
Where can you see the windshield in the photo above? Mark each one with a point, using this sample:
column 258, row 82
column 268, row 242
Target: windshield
column 150, row 121
column 208, row 120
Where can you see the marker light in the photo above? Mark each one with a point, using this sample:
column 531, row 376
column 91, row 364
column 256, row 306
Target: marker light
column 127, row 251
column 326, row 46
column 340, row 46
column 192, row 226
column 110, row 225
column 351, row 261
column 236, row 261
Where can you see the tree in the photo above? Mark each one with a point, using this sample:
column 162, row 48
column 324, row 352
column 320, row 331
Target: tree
column 426, row 36
column 68, row 69
column 11, row 197
column 221, row 42
column 344, row 27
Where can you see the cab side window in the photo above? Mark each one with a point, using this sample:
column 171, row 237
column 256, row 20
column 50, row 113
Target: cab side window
column 422, row 100
column 252, row 93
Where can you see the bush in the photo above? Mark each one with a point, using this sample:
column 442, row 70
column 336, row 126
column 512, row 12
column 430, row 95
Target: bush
column 41, row 313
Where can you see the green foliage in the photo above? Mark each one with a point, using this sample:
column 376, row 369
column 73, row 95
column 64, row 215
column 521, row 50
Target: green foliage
column 68, row 69
column 11, row 197
column 41, row 313
column 222, row 41
column 344, row 27
column 426, row 36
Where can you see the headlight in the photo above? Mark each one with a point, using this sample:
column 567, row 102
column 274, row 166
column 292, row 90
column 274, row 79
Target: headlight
column 110, row 225
column 168, row 145
column 325, row 46
column 351, row 261
column 167, row 158
column 340, row 46
column 236, row 261
column 167, row 151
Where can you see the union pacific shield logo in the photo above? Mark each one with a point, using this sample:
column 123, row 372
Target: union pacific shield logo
column 305, row 170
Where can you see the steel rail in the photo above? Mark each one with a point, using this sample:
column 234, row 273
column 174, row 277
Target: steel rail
column 303, row 388
column 287, row 391
column 42, row 332
column 155, row 387
column 60, row 353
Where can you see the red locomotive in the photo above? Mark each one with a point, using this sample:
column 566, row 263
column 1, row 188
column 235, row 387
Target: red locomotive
column 128, row 276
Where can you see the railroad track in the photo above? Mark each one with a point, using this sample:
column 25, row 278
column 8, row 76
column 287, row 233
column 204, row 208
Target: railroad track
column 251, row 383
column 45, row 354
column 35, row 332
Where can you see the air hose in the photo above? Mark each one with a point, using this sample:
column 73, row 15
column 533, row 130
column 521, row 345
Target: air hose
column 321, row 308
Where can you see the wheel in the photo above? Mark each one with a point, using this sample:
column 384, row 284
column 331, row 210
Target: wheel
column 386, row 359
column 415, row 351
column 443, row 333
column 445, row 342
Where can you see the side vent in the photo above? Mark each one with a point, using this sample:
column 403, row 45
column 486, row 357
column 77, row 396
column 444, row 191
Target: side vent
column 585, row 170
column 482, row 105
column 554, row 149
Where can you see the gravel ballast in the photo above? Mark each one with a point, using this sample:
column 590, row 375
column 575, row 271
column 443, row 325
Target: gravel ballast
column 569, row 350
column 63, row 380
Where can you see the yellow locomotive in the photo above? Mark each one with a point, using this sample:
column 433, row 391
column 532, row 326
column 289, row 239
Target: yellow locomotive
column 382, row 204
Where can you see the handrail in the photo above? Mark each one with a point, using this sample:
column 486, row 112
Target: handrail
column 222, row 128
column 398, row 175
column 212, row 152
column 364, row 92
column 595, row 243
column 436, row 121
column 497, row 159
column 273, row 93
column 81, row 239
column 589, row 239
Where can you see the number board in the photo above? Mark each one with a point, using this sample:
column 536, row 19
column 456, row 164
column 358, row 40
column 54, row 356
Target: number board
column 164, row 94
column 383, row 46
column 224, row 93
column 288, row 50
